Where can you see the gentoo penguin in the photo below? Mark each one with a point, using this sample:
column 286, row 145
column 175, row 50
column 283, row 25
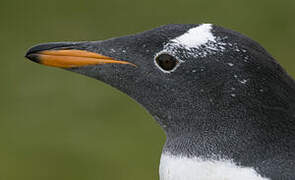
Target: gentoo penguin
column 227, row 107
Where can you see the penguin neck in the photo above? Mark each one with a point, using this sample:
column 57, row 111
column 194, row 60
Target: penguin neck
column 233, row 137
column 233, row 126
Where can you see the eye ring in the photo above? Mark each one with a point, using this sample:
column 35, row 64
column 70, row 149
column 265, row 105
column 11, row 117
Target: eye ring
column 166, row 62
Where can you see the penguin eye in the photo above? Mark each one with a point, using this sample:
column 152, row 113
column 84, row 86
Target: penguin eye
column 166, row 62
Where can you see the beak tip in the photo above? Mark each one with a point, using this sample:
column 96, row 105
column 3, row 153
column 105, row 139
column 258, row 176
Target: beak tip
column 33, row 57
column 32, row 52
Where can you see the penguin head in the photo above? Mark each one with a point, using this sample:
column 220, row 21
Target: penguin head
column 182, row 74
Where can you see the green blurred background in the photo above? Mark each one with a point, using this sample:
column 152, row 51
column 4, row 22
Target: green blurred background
column 59, row 125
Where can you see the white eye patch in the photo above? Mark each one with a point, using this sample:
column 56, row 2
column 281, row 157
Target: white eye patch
column 195, row 37
column 198, row 42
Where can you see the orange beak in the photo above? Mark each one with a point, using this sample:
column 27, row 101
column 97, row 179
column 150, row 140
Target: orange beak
column 71, row 58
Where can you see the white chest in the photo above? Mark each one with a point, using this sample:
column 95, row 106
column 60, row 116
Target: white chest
column 183, row 168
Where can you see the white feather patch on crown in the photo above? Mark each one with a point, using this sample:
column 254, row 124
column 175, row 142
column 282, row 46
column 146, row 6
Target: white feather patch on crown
column 195, row 37
column 198, row 42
